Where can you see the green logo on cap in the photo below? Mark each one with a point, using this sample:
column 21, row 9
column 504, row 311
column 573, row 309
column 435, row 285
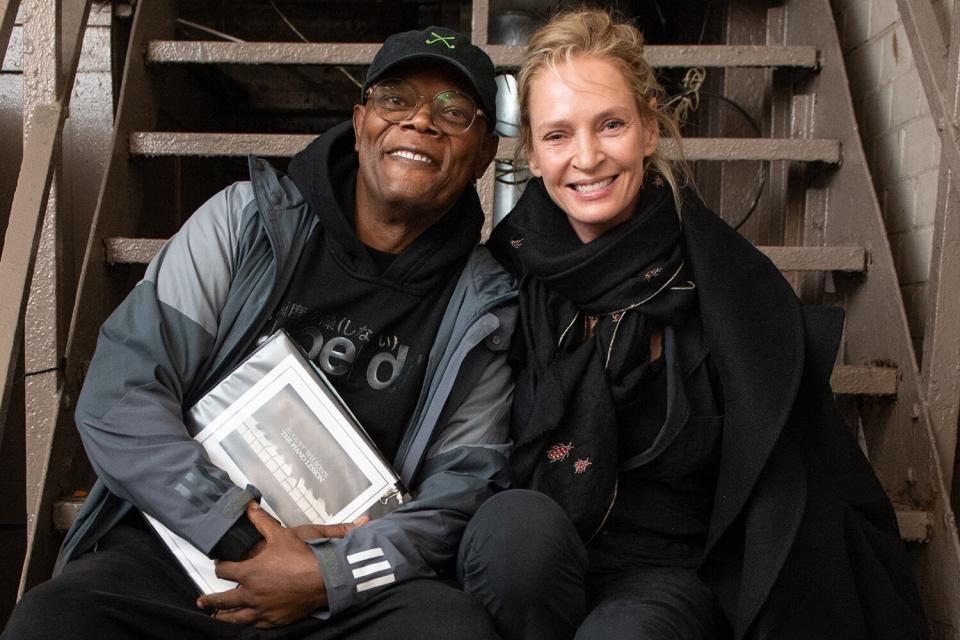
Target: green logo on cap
column 446, row 40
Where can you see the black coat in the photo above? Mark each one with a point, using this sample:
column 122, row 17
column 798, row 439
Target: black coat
column 803, row 541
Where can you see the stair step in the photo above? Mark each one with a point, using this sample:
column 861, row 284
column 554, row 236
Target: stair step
column 142, row 250
column 863, row 380
column 65, row 512
column 817, row 258
column 846, row 379
column 203, row 52
column 131, row 250
column 915, row 525
column 163, row 143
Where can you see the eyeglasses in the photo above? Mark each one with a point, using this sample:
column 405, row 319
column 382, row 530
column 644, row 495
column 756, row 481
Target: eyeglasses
column 453, row 112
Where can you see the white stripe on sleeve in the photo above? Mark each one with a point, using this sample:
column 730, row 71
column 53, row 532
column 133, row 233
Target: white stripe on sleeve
column 376, row 582
column 376, row 567
column 360, row 556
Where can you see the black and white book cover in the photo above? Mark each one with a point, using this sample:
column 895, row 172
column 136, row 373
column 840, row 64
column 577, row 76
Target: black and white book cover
column 277, row 423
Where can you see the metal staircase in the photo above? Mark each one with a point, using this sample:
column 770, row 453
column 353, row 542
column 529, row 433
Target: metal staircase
column 829, row 238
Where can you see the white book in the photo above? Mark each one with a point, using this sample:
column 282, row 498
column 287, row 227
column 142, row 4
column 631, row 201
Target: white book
column 277, row 423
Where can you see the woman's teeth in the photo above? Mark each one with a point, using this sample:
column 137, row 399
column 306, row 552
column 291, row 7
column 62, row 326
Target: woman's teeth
column 593, row 186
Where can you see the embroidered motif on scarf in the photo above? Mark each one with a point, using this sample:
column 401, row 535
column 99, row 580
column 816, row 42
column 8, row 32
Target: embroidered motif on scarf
column 559, row 452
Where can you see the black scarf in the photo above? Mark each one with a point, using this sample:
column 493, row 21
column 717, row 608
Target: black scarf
column 587, row 314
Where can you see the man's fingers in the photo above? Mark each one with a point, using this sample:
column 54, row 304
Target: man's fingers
column 236, row 616
column 262, row 520
column 226, row 570
column 311, row 531
column 233, row 599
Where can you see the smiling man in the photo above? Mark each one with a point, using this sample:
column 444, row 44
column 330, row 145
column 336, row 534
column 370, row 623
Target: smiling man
column 366, row 253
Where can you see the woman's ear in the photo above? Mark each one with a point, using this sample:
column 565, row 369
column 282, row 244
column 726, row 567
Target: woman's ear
column 533, row 165
column 651, row 129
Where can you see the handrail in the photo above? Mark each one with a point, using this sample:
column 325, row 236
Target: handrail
column 43, row 125
column 938, row 63
column 8, row 13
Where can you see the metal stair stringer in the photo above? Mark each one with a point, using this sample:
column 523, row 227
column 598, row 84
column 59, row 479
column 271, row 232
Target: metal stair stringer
column 8, row 13
column 99, row 289
column 899, row 437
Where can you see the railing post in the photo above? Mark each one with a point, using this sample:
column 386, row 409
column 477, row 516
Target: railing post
column 8, row 12
column 939, row 66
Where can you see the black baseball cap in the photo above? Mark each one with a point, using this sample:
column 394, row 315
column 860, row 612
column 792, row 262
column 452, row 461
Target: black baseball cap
column 446, row 45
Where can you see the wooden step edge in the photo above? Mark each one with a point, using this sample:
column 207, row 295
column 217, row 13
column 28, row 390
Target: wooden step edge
column 862, row 380
column 915, row 525
column 131, row 250
column 348, row 53
column 849, row 259
column 142, row 250
column 65, row 512
column 172, row 143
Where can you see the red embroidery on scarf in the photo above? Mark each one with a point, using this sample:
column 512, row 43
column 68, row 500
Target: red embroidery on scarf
column 581, row 465
column 658, row 181
column 653, row 272
column 517, row 243
column 559, row 452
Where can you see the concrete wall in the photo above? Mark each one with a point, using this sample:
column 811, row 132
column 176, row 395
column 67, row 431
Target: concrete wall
column 899, row 136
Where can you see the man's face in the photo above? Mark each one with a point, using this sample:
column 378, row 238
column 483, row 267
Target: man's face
column 412, row 166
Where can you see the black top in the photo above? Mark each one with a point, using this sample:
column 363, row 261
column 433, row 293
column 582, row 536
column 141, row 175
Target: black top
column 661, row 513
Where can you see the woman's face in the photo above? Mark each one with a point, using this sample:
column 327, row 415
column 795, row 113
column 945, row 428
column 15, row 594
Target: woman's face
column 589, row 143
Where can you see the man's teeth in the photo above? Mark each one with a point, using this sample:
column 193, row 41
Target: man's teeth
column 410, row 155
column 593, row 186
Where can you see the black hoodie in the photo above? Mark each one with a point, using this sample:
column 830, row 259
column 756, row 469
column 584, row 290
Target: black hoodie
column 368, row 320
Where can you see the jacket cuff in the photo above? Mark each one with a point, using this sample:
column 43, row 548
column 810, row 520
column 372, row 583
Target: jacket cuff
column 340, row 592
column 237, row 541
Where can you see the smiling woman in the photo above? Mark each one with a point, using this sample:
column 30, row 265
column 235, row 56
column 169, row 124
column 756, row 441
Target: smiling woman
column 691, row 477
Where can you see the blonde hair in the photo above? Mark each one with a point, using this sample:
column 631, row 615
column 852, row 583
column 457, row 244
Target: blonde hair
column 594, row 33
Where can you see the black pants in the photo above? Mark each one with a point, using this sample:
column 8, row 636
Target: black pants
column 132, row 589
column 522, row 558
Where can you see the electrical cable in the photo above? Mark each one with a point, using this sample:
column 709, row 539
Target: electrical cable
column 688, row 100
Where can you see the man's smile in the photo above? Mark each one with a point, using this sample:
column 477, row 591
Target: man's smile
column 410, row 154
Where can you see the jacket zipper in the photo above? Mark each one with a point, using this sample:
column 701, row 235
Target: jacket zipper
column 402, row 459
column 613, row 499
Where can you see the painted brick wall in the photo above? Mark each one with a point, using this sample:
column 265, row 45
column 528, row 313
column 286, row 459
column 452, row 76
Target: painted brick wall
column 899, row 137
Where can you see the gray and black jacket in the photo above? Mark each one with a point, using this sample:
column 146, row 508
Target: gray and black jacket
column 205, row 298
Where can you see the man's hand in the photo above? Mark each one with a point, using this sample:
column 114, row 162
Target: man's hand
column 281, row 581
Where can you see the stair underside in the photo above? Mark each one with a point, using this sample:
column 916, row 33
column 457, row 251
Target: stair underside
column 166, row 143
column 299, row 53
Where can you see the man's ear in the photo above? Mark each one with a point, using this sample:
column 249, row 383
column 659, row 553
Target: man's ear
column 491, row 142
column 359, row 114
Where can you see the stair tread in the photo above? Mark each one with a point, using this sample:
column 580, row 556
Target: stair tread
column 175, row 143
column 866, row 380
column 141, row 250
column 846, row 379
column 350, row 53
column 915, row 524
